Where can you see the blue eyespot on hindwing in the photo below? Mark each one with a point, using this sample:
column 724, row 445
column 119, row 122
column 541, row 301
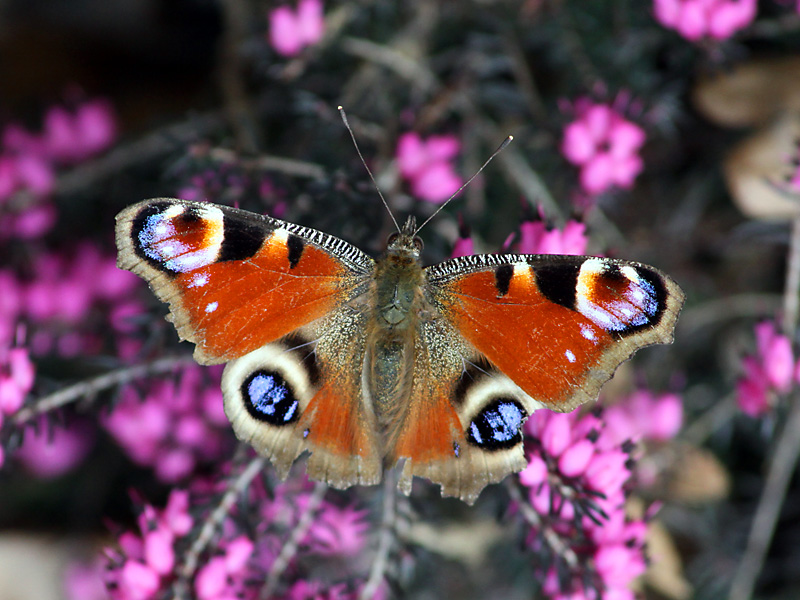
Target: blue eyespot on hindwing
column 269, row 398
column 497, row 426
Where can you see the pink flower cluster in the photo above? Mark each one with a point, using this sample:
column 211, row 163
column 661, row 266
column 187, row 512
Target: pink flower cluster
column 67, row 301
column 697, row 19
column 28, row 161
column 427, row 165
column 770, row 373
column 536, row 237
column 50, row 450
column 578, row 467
column 173, row 425
column 146, row 558
column 17, row 374
column 290, row 32
column 643, row 415
column 605, row 146
column 145, row 565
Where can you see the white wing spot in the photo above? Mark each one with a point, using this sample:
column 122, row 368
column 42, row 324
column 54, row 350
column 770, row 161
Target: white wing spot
column 570, row 356
column 199, row 280
column 211, row 307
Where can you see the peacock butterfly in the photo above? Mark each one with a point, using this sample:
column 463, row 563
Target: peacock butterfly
column 364, row 363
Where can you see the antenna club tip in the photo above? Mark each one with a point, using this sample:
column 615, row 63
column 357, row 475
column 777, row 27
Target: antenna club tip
column 340, row 108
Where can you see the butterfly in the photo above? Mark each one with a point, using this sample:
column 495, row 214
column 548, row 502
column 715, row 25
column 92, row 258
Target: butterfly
column 367, row 363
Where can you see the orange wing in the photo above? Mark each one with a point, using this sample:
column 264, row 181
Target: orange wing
column 235, row 280
column 558, row 326
column 506, row 335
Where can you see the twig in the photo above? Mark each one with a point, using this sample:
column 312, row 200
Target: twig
column 97, row 384
column 229, row 74
column 534, row 519
column 377, row 572
column 391, row 57
column 292, row 545
column 711, row 420
column 235, row 489
column 772, row 497
column 295, row 168
column 739, row 306
column 791, row 297
column 787, row 451
column 145, row 148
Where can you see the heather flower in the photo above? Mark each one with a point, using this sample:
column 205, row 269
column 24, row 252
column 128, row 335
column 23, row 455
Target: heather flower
column 52, row 450
column 697, row 19
column 173, row 426
column 84, row 581
column 575, row 481
column 605, row 146
column 426, row 165
column 338, row 531
column 17, row 374
column 536, row 237
column 66, row 301
column 464, row 245
column 645, row 415
column 290, row 32
column 772, row 371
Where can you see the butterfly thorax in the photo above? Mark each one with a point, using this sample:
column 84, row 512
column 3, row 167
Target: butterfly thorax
column 397, row 302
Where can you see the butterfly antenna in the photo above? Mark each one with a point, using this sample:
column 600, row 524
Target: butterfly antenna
column 363, row 162
column 500, row 148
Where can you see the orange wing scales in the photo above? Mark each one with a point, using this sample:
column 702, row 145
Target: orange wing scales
column 291, row 297
column 236, row 280
column 557, row 343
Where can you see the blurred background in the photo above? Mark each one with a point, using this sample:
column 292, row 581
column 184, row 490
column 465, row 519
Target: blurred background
column 661, row 131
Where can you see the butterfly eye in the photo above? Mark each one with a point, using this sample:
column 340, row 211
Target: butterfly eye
column 392, row 239
column 418, row 244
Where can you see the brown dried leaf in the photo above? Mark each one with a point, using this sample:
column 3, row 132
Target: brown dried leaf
column 696, row 476
column 751, row 93
column 759, row 165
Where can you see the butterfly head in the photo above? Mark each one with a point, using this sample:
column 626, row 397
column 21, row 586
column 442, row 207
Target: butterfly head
column 405, row 242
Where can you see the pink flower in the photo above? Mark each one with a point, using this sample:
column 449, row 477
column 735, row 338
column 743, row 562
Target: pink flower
column 158, row 552
column 776, row 355
column 771, row 371
column 138, row 581
column 85, row 582
column 537, row 238
column 174, row 426
column 426, row 165
column 338, row 531
column 575, row 459
column 212, row 579
column 695, row 19
column 643, row 414
column 289, row 33
column 50, row 451
column 463, row 247
column 605, row 146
